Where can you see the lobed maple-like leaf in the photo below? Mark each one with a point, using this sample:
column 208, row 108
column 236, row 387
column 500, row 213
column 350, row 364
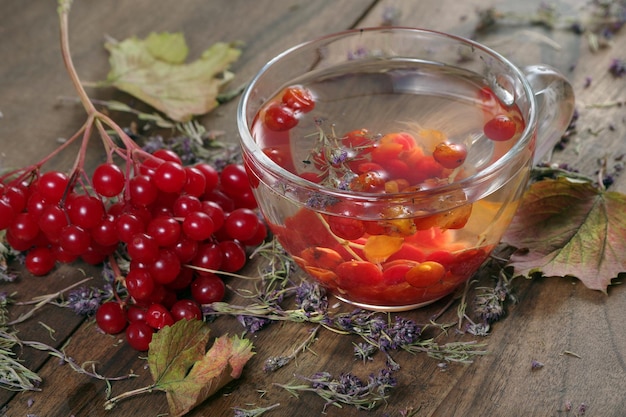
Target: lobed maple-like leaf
column 153, row 70
column 188, row 375
column 569, row 228
column 174, row 349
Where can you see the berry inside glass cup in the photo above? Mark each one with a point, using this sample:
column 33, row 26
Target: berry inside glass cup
column 389, row 162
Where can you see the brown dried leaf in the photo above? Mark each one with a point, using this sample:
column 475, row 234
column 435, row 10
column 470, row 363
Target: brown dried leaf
column 568, row 228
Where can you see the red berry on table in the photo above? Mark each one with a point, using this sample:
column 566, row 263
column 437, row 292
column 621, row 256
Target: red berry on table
column 139, row 335
column 111, row 317
column 39, row 261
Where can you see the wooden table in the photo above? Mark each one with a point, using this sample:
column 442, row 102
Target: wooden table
column 578, row 334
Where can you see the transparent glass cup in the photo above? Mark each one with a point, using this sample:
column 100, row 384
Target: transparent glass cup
column 388, row 162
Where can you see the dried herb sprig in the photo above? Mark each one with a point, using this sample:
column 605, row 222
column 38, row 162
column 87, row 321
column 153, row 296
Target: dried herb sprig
column 14, row 376
column 273, row 363
column 6, row 255
column 347, row 389
column 254, row 412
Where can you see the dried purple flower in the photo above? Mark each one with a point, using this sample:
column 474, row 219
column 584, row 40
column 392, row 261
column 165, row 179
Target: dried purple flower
column 364, row 351
column 404, row 332
column 617, row 67
column 348, row 389
column 253, row 324
column 311, row 298
column 534, row 365
column 274, row 363
column 84, row 301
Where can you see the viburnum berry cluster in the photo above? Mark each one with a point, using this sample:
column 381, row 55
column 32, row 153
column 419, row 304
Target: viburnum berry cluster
column 177, row 225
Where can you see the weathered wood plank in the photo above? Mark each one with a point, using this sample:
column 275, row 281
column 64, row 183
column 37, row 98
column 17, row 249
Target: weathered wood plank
column 576, row 333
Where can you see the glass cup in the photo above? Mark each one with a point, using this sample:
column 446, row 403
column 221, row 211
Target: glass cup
column 388, row 162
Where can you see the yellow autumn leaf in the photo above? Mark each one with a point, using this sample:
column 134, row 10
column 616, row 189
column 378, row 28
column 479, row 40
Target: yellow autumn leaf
column 154, row 71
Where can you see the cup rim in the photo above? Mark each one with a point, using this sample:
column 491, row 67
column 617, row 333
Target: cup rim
column 480, row 177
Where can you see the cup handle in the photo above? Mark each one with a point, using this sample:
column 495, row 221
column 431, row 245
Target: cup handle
column 555, row 106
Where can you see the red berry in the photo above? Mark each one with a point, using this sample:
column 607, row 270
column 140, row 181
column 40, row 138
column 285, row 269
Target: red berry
column 450, row 155
column 500, row 128
column 209, row 256
column 279, row 117
column 24, row 227
column 234, row 256
column 143, row 248
column 198, row 226
column 53, row 219
column 234, row 180
column 139, row 284
column 108, row 180
column 6, row 214
column 166, row 267
column 158, row 317
column 74, row 239
column 139, row 335
column 208, row 289
column 86, row 211
column 299, row 98
column 186, row 309
column 167, row 155
column 52, row 185
column 111, row 317
column 170, row 177
column 196, row 182
column 142, row 190
column 40, row 261
column 165, row 230
column 241, row 224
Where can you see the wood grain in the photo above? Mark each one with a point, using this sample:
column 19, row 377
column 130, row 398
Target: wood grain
column 576, row 333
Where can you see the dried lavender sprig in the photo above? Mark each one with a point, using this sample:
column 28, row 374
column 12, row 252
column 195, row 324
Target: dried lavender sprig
column 347, row 389
column 462, row 352
column 10, row 337
column 43, row 300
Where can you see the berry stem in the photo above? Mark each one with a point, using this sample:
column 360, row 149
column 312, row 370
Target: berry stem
column 64, row 9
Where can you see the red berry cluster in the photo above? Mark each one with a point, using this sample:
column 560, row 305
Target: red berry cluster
column 178, row 225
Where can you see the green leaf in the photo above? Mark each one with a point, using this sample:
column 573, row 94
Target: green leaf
column 181, row 368
column 567, row 228
column 174, row 349
column 153, row 70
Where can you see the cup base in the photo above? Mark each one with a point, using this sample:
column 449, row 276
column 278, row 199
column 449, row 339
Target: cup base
column 387, row 309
